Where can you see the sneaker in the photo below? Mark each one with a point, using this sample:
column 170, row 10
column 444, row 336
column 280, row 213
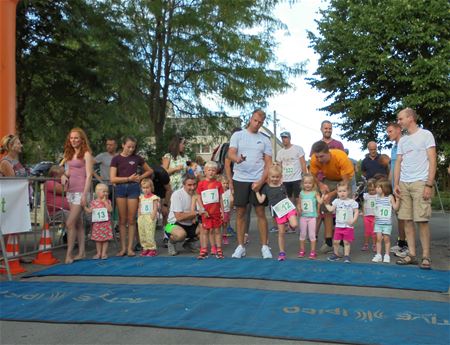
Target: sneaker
column 395, row 248
column 171, row 249
column 301, row 254
column 203, row 254
column 145, row 252
column 333, row 257
column 325, row 248
column 347, row 259
column 386, row 258
column 313, row 255
column 190, row 246
column 274, row 229
column 213, row 250
column 138, row 247
column 165, row 240
column 239, row 252
column 246, row 239
column 231, row 231
column 402, row 252
column 365, row 248
column 219, row 254
column 282, row 256
column 153, row 252
column 377, row 258
column 225, row 239
column 265, row 252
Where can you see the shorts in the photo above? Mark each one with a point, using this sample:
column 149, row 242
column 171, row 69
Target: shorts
column 190, row 229
column 74, row 198
column 369, row 222
column 346, row 234
column 412, row 205
column 286, row 217
column 212, row 222
column 292, row 188
column 226, row 216
column 244, row 195
column 127, row 190
column 331, row 186
column 384, row 229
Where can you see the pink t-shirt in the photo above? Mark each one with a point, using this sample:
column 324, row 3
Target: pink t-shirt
column 77, row 179
column 54, row 201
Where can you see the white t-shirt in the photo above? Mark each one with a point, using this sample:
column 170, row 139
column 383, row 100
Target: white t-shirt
column 344, row 212
column 369, row 204
column 253, row 146
column 290, row 160
column 413, row 148
column 180, row 201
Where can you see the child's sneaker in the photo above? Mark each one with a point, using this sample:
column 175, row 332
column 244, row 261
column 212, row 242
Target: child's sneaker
column 219, row 254
column 377, row 258
column 152, row 252
column 386, row 258
column 313, row 255
column 274, row 229
column 213, row 250
column 365, row 248
column 301, row 254
column 347, row 259
column 144, row 252
column 203, row 254
column 282, row 256
column 333, row 257
column 225, row 239
column 231, row 231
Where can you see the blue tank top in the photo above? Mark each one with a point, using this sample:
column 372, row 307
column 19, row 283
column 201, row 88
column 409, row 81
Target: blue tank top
column 309, row 204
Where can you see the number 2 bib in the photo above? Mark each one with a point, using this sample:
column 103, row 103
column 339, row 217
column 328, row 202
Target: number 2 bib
column 307, row 205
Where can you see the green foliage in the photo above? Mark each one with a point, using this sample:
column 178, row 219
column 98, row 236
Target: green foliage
column 377, row 57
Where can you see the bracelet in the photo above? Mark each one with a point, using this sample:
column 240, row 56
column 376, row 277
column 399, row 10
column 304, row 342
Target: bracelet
column 428, row 185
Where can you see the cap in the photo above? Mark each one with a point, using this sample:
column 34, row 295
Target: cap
column 285, row 134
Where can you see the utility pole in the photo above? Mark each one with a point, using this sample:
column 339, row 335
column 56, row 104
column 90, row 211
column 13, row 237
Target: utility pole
column 274, row 135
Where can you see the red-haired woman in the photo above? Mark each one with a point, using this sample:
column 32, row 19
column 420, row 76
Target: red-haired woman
column 77, row 179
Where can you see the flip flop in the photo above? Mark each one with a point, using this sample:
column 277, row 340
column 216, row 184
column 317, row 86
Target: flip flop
column 407, row 260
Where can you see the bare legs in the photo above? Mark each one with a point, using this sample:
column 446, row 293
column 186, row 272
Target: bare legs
column 75, row 231
column 127, row 216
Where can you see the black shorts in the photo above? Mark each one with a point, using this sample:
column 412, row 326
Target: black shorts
column 292, row 188
column 244, row 195
column 190, row 230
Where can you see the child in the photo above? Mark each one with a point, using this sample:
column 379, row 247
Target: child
column 385, row 201
column 369, row 215
column 147, row 217
column 227, row 207
column 308, row 206
column 280, row 204
column 346, row 210
column 210, row 193
column 101, row 209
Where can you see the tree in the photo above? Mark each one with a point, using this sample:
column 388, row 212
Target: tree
column 198, row 49
column 377, row 57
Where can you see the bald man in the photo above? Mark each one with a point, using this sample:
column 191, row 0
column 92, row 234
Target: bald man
column 371, row 165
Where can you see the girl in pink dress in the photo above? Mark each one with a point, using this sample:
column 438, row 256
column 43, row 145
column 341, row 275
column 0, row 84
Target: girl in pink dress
column 101, row 221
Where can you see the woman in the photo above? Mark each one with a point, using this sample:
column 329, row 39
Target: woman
column 77, row 178
column 57, row 205
column 10, row 165
column 175, row 162
column 124, row 175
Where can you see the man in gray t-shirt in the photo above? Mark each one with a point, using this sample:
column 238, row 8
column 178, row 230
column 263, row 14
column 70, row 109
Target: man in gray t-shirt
column 104, row 160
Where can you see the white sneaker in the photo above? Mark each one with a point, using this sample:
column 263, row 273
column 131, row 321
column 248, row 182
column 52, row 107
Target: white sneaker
column 386, row 258
column 265, row 252
column 239, row 252
column 394, row 249
column 377, row 258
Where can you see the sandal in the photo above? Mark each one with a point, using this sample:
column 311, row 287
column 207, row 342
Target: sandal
column 425, row 264
column 407, row 260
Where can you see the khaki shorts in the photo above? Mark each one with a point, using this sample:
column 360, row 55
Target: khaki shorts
column 331, row 186
column 412, row 205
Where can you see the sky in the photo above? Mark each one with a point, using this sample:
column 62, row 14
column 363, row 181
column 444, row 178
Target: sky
column 298, row 109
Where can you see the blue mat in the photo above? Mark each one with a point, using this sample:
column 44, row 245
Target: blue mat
column 274, row 314
column 306, row 271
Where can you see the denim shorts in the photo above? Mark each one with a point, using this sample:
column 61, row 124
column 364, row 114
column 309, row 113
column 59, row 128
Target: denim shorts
column 127, row 190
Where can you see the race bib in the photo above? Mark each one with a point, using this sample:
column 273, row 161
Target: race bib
column 288, row 169
column 283, row 207
column 146, row 207
column 384, row 212
column 369, row 207
column 226, row 204
column 307, row 205
column 100, row 215
column 343, row 215
column 210, row 196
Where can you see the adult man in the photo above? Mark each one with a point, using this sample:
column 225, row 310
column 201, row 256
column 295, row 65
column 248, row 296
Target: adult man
column 104, row 160
column 329, row 167
column 182, row 221
column 414, row 175
column 292, row 159
column 251, row 153
column 327, row 130
column 394, row 132
column 371, row 165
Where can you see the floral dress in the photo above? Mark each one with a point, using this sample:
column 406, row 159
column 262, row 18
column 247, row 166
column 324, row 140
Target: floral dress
column 101, row 231
column 176, row 177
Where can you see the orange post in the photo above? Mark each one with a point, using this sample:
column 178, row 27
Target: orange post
column 7, row 67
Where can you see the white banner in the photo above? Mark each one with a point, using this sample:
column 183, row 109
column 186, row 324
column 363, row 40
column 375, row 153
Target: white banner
column 14, row 206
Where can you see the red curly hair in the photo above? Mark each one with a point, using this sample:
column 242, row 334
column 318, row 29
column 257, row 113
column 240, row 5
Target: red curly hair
column 69, row 151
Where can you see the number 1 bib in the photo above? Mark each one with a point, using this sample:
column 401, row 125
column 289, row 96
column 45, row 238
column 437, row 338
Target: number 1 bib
column 99, row 215
column 210, row 196
column 283, row 207
column 342, row 215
